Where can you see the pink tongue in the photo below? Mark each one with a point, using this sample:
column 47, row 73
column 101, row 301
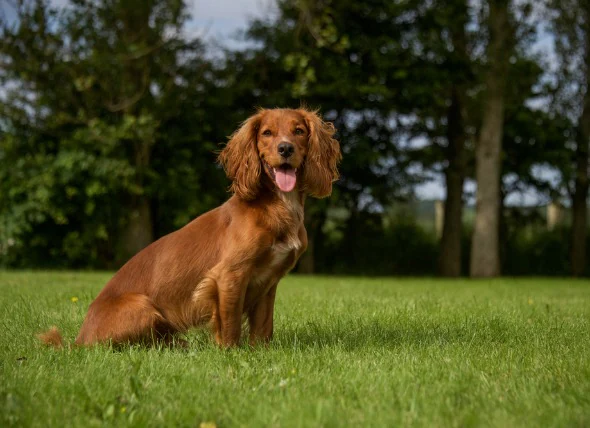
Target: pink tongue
column 285, row 179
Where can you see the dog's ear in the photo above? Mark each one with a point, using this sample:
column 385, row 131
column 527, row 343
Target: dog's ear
column 323, row 155
column 240, row 159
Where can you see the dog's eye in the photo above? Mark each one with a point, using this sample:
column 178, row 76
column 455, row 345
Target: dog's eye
column 299, row 131
column 267, row 132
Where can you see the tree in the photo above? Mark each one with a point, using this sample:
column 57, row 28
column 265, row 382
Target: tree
column 108, row 139
column 570, row 22
column 346, row 57
column 443, row 33
column 580, row 196
column 485, row 256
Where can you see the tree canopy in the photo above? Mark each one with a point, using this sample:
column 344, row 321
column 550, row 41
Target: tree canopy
column 111, row 116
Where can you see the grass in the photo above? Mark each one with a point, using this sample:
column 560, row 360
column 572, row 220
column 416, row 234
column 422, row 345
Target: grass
column 346, row 352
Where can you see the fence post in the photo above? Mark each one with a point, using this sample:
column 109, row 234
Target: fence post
column 554, row 215
column 439, row 217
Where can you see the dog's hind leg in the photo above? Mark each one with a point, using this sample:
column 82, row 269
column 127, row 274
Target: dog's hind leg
column 129, row 317
column 205, row 305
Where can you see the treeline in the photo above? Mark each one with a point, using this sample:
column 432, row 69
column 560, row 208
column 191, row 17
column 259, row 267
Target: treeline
column 111, row 114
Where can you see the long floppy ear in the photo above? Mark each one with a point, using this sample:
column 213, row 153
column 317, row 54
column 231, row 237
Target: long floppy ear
column 323, row 155
column 240, row 159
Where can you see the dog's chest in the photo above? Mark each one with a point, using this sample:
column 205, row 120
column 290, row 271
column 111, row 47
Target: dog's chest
column 282, row 255
column 278, row 260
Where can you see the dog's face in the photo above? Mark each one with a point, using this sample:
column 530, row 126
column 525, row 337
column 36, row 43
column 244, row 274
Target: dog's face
column 282, row 140
column 294, row 148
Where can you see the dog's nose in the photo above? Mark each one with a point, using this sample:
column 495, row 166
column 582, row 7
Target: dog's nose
column 286, row 149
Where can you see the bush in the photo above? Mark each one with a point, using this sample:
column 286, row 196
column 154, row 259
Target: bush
column 369, row 248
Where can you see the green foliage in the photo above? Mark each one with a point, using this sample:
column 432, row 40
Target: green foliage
column 347, row 58
column 404, row 243
column 543, row 253
column 368, row 246
column 105, row 106
column 56, row 204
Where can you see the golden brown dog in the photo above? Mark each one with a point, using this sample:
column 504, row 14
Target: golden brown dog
column 226, row 263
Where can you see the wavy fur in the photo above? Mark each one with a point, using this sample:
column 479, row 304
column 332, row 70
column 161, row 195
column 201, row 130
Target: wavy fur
column 225, row 265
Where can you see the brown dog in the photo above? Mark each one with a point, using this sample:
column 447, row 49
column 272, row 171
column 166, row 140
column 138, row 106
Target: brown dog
column 227, row 262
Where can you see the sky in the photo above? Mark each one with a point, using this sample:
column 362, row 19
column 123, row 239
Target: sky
column 218, row 19
column 221, row 19
column 211, row 18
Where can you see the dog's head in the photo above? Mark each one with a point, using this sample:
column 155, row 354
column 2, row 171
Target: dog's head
column 294, row 148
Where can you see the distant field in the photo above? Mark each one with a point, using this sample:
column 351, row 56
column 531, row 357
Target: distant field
column 347, row 352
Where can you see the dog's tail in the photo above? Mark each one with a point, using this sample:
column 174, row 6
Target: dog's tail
column 52, row 337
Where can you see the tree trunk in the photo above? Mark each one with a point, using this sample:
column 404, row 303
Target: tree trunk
column 314, row 220
column 579, row 205
column 449, row 262
column 307, row 260
column 579, row 214
column 502, row 228
column 139, row 231
column 485, row 258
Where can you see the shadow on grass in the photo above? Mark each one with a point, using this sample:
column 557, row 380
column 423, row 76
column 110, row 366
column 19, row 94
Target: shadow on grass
column 354, row 335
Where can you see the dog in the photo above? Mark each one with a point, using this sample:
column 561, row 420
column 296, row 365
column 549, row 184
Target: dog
column 224, row 266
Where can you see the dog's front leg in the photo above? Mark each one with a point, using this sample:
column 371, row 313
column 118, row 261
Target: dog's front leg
column 260, row 318
column 232, row 291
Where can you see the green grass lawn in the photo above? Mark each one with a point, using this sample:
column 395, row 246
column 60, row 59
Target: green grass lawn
column 346, row 352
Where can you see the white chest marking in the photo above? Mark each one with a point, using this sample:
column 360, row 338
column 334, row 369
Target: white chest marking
column 280, row 251
column 279, row 254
